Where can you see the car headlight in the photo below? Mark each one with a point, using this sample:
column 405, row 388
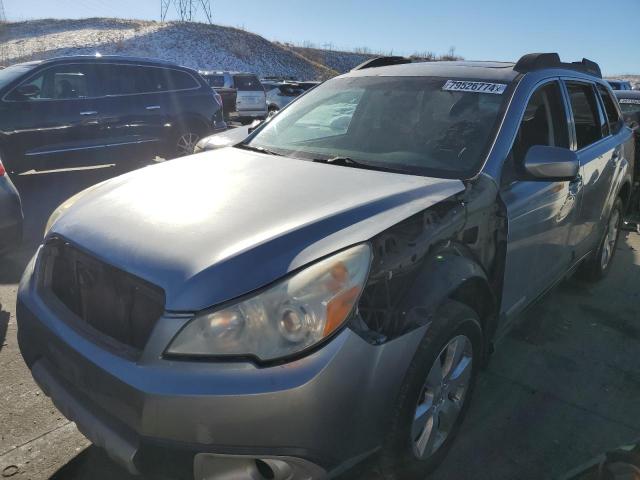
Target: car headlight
column 286, row 318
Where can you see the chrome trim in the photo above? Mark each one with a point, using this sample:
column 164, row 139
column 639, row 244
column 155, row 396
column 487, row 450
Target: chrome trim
column 38, row 72
column 91, row 147
column 92, row 112
column 153, row 107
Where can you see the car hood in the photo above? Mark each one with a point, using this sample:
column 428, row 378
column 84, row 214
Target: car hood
column 213, row 226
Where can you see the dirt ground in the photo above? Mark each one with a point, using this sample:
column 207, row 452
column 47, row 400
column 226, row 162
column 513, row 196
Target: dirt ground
column 562, row 387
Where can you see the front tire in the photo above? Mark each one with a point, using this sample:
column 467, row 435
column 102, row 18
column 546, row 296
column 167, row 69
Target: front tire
column 435, row 395
column 598, row 265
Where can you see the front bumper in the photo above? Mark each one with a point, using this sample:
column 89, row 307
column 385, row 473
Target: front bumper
column 320, row 413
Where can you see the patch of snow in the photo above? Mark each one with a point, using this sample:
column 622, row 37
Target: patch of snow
column 194, row 45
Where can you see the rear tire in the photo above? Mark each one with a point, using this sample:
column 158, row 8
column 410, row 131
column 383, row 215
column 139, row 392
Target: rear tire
column 411, row 450
column 184, row 142
column 598, row 265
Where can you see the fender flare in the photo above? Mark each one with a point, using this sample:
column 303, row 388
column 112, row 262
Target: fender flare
column 182, row 122
column 451, row 273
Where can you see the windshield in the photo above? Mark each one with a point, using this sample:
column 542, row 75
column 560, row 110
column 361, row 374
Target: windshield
column 248, row 83
column 215, row 80
column 630, row 105
column 9, row 74
column 410, row 124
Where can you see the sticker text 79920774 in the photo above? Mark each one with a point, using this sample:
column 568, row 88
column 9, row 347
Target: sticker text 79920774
column 478, row 87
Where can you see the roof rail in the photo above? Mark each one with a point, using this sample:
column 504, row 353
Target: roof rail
column 537, row 61
column 382, row 62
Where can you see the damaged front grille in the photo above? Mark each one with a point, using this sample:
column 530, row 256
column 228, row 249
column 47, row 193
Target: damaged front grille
column 110, row 301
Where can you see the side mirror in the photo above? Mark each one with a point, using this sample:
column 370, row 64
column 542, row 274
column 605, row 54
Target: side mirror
column 551, row 163
column 28, row 91
column 255, row 124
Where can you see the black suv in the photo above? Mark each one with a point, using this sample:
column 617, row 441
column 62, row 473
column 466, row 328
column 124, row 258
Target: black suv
column 89, row 105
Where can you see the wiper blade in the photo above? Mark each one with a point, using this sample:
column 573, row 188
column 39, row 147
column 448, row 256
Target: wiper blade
column 342, row 161
column 253, row 148
column 350, row 162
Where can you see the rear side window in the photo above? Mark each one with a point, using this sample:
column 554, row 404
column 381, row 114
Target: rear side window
column 179, row 80
column 215, row 80
column 544, row 122
column 125, row 79
column 613, row 117
column 585, row 114
column 248, row 83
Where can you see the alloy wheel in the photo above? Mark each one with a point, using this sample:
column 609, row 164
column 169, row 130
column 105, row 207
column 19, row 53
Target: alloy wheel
column 610, row 238
column 187, row 143
column 442, row 397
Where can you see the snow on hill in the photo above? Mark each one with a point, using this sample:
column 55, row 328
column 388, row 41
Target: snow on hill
column 195, row 45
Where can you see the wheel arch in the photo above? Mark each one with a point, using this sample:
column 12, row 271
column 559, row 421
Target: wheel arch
column 452, row 274
column 184, row 122
column 625, row 193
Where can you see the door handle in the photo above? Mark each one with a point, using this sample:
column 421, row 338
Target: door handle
column 153, row 107
column 85, row 114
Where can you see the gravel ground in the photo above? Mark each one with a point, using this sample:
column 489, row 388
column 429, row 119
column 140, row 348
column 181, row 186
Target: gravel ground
column 561, row 388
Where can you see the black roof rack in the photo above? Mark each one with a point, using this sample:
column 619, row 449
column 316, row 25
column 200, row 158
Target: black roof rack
column 537, row 61
column 382, row 62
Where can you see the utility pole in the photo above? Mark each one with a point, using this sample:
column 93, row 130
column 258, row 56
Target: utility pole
column 187, row 9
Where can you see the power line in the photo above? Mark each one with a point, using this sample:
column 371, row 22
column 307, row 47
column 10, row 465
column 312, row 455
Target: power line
column 187, row 9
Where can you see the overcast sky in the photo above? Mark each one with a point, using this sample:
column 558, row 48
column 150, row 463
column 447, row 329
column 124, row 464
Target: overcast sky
column 479, row 29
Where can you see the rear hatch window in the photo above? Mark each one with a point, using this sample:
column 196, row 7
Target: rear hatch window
column 247, row 83
column 215, row 80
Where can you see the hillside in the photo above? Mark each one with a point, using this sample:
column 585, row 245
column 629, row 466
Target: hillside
column 195, row 45
column 334, row 59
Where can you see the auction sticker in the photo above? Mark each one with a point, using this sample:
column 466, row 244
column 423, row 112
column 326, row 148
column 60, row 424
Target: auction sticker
column 634, row 101
column 478, row 87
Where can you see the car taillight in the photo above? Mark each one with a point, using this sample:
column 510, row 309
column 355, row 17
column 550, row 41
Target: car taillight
column 2, row 170
column 218, row 98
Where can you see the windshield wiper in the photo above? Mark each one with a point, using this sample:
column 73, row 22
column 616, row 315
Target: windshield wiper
column 350, row 162
column 245, row 146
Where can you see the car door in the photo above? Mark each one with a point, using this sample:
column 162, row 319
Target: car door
column 59, row 114
column 130, row 107
column 599, row 157
column 540, row 213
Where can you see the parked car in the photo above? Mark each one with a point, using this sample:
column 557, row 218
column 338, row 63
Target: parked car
column 91, row 105
column 250, row 101
column 10, row 213
column 228, row 95
column 629, row 101
column 620, row 84
column 327, row 290
column 281, row 93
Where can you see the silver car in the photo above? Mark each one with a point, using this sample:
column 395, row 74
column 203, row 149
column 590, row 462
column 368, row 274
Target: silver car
column 281, row 93
column 250, row 101
column 10, row 213
column 327, row 290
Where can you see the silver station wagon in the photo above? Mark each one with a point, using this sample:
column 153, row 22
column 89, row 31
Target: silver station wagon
column 325, row 291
